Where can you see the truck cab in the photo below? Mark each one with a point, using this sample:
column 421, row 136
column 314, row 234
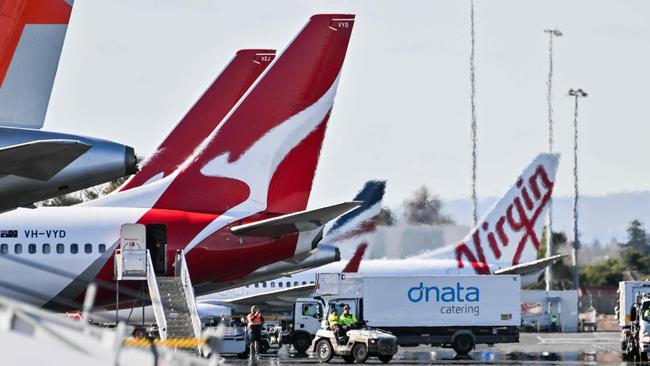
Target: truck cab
column 641, row 327
column 305, row 322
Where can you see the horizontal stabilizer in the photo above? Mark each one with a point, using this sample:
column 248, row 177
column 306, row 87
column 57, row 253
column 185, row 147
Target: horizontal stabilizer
column 294, row 222
column 529, row 267
column 41, row 159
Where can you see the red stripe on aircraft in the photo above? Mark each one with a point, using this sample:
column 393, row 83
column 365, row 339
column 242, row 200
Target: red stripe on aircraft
column 15, row 14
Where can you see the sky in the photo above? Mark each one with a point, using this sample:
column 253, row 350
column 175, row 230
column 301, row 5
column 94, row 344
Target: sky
column 130, row 70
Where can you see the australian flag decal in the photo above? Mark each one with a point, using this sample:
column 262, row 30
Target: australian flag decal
column 8, row 233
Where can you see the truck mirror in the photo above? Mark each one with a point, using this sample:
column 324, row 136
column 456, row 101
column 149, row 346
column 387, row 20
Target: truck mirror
column 633, row 314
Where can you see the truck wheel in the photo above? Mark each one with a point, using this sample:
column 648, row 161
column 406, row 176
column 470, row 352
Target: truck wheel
column 385, row 358
column 360, row 352
column 301, row 342
column 348, row 359
column 324, row 350
column 463, row 344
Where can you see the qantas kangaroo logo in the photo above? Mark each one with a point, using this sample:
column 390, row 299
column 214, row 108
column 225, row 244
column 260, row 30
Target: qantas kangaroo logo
column 257, row 165
column 520, row 218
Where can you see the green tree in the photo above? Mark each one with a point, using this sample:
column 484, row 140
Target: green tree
column 87, row 194
column 385, row 217
column 424, row 208
column 637, row 238
column 63, row 200
column 604, row 274
column 113, row 185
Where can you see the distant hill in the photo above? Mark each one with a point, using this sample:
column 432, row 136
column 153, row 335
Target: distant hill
column 600, row 217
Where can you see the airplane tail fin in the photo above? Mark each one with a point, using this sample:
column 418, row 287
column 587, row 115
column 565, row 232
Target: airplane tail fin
column 355, row 262
column 510, row 232
column 264, row 154
column 362, row 219
column 204, row 116
column 31, row 39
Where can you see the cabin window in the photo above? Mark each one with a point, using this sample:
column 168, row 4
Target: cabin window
column 74, row 248
column 279, row 284
column 102, row 248
column 4, row 249
column 18, row 248
column 311, row 282
column 272, row 284
column 257, row 285
column 31, row 248
column 264, row 284
column 288, row 283
column 304, row 282
column 88, row 248
column 46, row 248
column 60, row 248
column 295, row 283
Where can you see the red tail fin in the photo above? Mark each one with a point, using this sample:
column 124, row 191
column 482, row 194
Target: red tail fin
column 204, row 116
column 263, row 155
column 29, row 57
column 355, row 262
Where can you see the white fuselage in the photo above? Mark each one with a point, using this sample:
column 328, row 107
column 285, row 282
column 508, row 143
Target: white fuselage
column 49, row 237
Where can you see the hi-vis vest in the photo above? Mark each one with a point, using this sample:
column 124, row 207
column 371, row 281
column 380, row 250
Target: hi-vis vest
column 333, row 320
column 254, row 319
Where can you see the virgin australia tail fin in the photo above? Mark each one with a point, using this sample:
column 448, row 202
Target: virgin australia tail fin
column 509, row 233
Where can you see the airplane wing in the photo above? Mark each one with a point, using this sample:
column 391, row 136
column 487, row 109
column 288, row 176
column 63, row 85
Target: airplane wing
column 41, row 159
column 294, row 222
column 277, row 299
column 529, row 267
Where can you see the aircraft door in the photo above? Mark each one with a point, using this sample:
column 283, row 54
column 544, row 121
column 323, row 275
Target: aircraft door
column 157, row 245
column 131, row 264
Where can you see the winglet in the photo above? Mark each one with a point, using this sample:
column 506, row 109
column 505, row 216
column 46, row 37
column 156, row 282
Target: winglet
column 355, row 262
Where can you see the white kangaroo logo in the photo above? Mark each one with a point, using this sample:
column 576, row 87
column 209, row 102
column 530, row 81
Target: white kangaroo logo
column 256, row 166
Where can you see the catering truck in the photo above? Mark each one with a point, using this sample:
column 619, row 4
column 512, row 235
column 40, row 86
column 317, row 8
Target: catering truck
column 447, row 311
column 631, row 310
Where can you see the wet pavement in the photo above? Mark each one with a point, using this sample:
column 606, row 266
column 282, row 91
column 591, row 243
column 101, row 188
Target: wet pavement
column 533, row 348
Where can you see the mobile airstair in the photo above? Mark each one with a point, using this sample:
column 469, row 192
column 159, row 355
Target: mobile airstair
column 172, row 297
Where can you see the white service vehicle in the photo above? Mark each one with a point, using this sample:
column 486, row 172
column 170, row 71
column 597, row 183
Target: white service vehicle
column 631, row 305
column 447, row 311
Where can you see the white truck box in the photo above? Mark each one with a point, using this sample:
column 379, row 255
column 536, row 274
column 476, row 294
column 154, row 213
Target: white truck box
column 627, row 292
column 430, row 301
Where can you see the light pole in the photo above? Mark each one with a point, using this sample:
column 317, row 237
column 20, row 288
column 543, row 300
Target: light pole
column 472, row 79
column 576, row 94
column 548, row 274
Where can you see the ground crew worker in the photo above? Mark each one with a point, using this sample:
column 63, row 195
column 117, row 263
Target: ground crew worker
column 333, row 319
column 255, row 321
column 334, row 322
column 347, row 319
column 553, row 322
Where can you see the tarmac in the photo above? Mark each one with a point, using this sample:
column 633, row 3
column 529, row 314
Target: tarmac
column 533, row 349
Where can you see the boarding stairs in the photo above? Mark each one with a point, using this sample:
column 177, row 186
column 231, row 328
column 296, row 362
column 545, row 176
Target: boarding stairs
column 172, row 297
